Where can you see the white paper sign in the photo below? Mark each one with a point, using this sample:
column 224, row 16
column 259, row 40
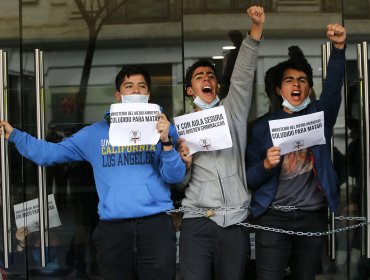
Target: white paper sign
column 206, row 130
column 27, row 214
column 133, row 124
column 293, row 134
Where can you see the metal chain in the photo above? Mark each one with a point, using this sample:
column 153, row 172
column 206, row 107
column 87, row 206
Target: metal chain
column 209, row 212
column 284, row 208
column 301, row 233
column 343, row 218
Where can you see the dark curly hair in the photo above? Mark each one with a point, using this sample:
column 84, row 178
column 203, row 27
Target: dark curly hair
column 296, row 61
column 191, row 69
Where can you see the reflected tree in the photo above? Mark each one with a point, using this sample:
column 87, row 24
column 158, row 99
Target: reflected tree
column 95, row 13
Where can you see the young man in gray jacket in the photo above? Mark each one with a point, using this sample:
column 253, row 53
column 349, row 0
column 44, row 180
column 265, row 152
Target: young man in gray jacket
column 212, row 246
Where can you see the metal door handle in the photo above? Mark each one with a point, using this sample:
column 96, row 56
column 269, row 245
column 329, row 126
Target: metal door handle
column 4, row 158
column 325, row 53
column 364, row 78
column 41, row 172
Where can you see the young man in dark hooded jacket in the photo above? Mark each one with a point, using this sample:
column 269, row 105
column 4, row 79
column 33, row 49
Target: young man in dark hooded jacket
column 292, row 192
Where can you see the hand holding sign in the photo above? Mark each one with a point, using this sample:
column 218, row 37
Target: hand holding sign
column 163, row 127
column 136, row 124
column 272, row 158
column 184, row 152
column 206, row 130
column 293, row 134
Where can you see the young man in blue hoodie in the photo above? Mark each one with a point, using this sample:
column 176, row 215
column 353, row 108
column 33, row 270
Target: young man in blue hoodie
column 135, row 237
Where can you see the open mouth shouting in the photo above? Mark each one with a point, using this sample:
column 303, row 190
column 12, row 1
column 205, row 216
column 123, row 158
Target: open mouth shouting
column 296, row 96
column 207, row 89
column 203, row 84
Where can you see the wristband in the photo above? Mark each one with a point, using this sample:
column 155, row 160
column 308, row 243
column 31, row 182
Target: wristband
column 167, row 143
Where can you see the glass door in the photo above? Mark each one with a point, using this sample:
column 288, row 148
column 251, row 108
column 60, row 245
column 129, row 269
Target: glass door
column 352, row 249
column 355, row 243
column 85, row 43
column 13, row 242
column 63, row 56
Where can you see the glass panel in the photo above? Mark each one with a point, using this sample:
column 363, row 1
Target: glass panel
column 135, row 12
column 81, row 61
column 80, row 64
column 10, row 42
column 356, row 9
column 300, row 23
column 356, row 15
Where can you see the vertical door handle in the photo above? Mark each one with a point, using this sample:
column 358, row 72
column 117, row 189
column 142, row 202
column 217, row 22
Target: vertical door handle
column 362, row 65
column 40, row 117
column 4, row 158
column 325, row 53
column 364, row 74
column 360, row 73
column 324, row 61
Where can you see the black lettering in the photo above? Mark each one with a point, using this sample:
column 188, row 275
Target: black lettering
column 120, row 161
column 109, row 160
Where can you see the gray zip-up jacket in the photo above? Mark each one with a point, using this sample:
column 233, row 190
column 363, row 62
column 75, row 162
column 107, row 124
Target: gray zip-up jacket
column 217, row 179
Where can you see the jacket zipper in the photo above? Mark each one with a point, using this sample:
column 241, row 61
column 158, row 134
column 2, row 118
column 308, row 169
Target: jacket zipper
column 221, row 186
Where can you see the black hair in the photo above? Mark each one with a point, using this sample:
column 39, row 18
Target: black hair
column 191, row 69
column 297, row 61
column 274, row 75
column 128, row 71
column 270, row 85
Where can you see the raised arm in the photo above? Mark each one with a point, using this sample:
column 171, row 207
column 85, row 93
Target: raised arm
column 336, row 33
column 257, row 16
column 331, row 96
column 239, row 98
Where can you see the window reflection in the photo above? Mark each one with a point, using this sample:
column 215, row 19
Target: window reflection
column 164, row 38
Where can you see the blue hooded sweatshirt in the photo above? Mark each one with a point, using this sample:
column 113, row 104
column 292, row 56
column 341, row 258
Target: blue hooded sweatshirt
column 131, row 181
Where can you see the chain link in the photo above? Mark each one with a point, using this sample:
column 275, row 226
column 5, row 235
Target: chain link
column 209, row 212
column 284, row 208
column 342, row 218
column 300, row 233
